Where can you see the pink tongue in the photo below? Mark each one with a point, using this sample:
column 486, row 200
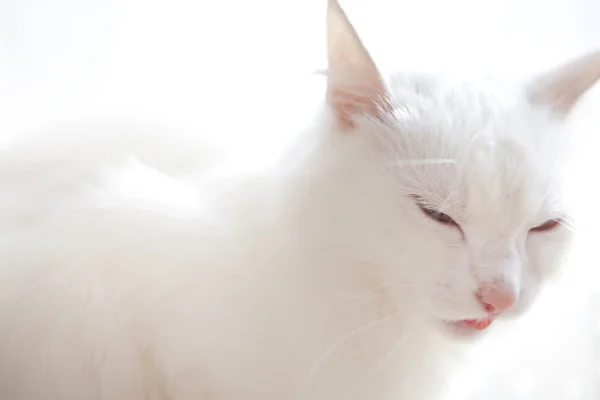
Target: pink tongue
column 479, row 324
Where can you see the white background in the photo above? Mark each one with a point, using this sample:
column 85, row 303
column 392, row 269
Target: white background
column 241, row 72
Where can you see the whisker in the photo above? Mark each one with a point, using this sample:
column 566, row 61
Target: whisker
column 377, row 290
column 352, row 303
column 382, row 362
column 338, row 343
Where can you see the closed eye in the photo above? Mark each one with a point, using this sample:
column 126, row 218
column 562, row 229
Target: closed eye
column 438, row 216
column 549, row 225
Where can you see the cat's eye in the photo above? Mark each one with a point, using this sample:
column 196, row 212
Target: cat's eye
column 547, row 226
column 438, row 216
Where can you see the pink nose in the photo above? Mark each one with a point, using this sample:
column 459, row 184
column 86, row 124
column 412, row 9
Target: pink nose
column 497, row 299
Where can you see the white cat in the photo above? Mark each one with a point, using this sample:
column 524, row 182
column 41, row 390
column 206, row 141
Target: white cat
column 413, row 213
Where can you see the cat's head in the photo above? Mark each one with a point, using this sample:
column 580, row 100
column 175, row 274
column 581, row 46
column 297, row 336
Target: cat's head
column 455, row 189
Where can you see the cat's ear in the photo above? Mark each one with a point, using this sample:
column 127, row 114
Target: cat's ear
column 354, row 84
column 562, row 87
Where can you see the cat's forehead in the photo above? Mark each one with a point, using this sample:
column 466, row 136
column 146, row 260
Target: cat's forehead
column 501, row 184
column 497, row 153
column 464, row 108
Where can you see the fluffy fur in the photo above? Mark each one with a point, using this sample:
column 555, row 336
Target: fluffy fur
column 131, row 272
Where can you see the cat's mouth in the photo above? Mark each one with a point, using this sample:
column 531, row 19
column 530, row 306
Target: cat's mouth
column 476, row 324
column 466, row 328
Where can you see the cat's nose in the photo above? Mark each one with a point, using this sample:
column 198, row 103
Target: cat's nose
column 497, row 298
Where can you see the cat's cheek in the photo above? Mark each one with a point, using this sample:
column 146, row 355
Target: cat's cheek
column 547, row 252
column 447, row 234
column 451, row 237
column 528, row 295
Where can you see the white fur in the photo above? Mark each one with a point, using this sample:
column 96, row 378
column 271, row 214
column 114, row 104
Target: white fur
column 129, row 274
column 320, row 279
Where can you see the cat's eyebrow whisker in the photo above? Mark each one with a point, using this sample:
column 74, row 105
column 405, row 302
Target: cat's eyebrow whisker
column 329, row 351
column 425, row 161
column 447, row 201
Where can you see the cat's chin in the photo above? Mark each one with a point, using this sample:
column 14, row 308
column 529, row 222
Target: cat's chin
column 468, row 329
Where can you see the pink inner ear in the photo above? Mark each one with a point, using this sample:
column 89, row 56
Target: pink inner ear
column 347, row 105
column 354, row 85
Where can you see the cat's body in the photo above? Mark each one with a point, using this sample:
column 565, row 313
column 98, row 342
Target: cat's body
column 206, row 290
column 128, row 272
